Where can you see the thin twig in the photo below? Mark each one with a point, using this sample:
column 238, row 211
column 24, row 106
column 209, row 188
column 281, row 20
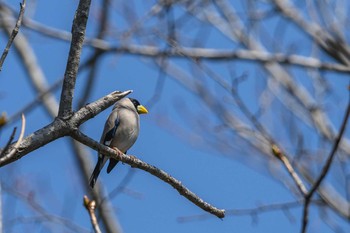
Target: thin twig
column 325, row 169
column 14, row 149
column 13, row 34
column 284, row 159
column 90, row 206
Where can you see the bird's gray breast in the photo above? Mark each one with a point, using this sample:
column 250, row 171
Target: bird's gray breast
column 127, row 131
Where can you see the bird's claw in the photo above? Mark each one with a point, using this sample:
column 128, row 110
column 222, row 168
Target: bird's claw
column 117, row 150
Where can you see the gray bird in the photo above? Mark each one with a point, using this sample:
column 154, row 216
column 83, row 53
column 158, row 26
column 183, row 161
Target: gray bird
column 121, row 131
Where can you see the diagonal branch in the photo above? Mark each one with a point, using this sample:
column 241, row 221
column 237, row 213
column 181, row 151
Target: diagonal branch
column 285, row 161
column 134, row 162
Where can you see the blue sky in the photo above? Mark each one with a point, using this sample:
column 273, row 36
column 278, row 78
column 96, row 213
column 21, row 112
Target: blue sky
column 148, row 204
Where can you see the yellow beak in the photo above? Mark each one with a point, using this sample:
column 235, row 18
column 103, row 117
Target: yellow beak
column 141, row 109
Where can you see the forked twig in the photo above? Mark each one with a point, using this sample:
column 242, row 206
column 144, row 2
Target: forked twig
column 14, row 149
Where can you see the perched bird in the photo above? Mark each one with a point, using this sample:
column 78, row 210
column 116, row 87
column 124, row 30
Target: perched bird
column 121, row 131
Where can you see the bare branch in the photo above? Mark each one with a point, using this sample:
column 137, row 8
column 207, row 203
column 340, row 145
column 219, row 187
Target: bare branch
column 13, row 34
column 78, row 34
column 134, row 162
column 284, row 159
column 90, row 206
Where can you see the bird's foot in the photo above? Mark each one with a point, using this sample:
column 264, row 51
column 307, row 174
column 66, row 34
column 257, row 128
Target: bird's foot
column 117, row 150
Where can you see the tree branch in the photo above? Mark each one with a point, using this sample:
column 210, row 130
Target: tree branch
column 70, row 76
column 284, row 159
column 134, row 162
column 90, row 206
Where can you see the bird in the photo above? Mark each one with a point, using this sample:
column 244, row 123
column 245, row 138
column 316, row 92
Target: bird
column 120, row 131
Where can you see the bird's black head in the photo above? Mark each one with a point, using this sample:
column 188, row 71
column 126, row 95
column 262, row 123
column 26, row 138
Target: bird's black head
column 135, row 102
column 139, row 108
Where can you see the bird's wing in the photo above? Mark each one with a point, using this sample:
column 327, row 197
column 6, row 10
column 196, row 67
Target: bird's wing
column 110, row 128
column 109, row 131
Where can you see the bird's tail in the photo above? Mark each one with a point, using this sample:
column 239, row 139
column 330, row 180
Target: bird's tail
column 111, row 165
column 99, row 165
